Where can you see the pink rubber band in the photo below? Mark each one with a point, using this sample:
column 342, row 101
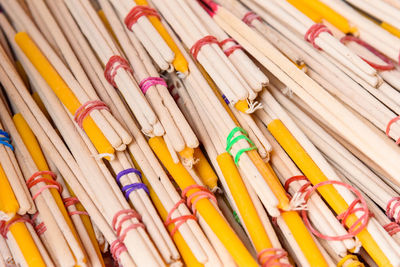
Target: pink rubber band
column 249, row 17
column 389, row 66
column 356, row 228
column 110, row 70
column 390, row 125
column 270, row 257
column 127, row 214
column 50, row 183
column 209, row 39
column 192, row 200
column 313, row 32
column 69, row 201
column 228, row 51
column 391, row 209
column 148, row 82
column 178, row 221
column 392, row 228
column 116, row 249
column 83, row 111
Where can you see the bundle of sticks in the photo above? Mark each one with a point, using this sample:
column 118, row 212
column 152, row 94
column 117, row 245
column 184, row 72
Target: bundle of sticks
column 199, row 133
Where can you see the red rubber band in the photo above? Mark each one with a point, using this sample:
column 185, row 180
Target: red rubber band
column 116, row 249
column 50, row 183
column 270, row 257
column 249, row 17
column 178, row 221
column 389, row 66
column 209, row 39
column 127, row 214
column 148, row 82
column 356, row 228
column 390, row 125
column 196, row 196
column 110, row 70
column 83, row 111
column 294, row 178
column 392, row 228
column 313, row 32
column 5, row 226
column 69, row 201
column 391, row 209
column 137, row 12
column 228, row 51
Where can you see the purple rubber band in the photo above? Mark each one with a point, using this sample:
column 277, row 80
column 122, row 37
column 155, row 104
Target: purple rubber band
column 225, row 99
column 127, row 171
column 128, row 189
column 145, row 84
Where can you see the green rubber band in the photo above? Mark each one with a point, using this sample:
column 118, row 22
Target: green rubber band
column 230, row 141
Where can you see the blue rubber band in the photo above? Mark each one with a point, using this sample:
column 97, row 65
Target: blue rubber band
column 128, row 189
column 225, row 99
column 127, row 171
column 5, row 139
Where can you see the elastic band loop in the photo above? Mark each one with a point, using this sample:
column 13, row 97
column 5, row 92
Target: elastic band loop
column 392, row 228
column 83, row 111
column 145, row 84
column 125, row 215
column 390, row 125
column 392, row 205
column 126, row 172
column 69, row 201
column 314, row 31
column 5, row 139
column 209, row 39
column 114, row 63
column 249, row 17
column 50, row 183
column 196, row 196
column 270, row 257
column 230, row 142
column 389, row 66
column 178, row 221
column 128, row 189
column 225, row 99
column 294, row 178
column 236, row 217
column 116, row 249
column 5, row 226
column 228, row 51
column 137, row 12
column 358, row 225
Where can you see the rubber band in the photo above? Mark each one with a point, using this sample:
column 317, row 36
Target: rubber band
column 392, row 228
column 126, row 172
column 5, row 226
column 228, row 51
column 389, row 125
column 116, row 249
column 389, row 66
column 192, row 200
column 391, row 207
column 128, row 189
column 231, row 141
column 209, row 39
column 270, row 257
column 5, row 139
column 83, row 111
column 313, row 32
column 249, row 17
column 110, row 70
column 50, row 183
column 69, row 201
column 178, row 221
column 148, row 82
column 225, row 99
column 295, row 178
column 236, row 217
column 127, row 215
column 137, row 12
column 353, row 230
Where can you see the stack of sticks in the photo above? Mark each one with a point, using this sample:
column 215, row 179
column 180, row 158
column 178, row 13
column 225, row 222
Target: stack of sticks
column 199, row 133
